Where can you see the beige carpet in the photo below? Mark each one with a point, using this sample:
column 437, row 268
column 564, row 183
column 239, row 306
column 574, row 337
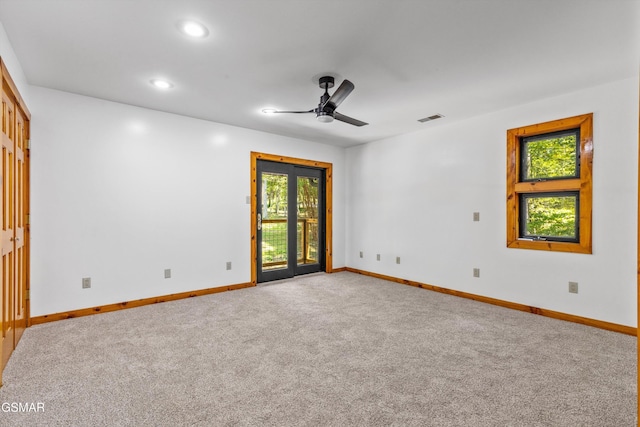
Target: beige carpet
column 322, row 350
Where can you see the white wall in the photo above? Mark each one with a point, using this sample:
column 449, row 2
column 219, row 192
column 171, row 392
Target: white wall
column 414, row 196
column 119, row 193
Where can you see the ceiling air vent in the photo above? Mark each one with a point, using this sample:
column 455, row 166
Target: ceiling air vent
column 428, row 119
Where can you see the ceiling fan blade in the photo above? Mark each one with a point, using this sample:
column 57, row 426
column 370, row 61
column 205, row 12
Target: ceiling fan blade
column 348, row 119
column 295, row 112
column 339, row 95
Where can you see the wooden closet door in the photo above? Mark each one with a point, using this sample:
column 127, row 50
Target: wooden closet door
column 8, row 225
column 14, row 204
column 19, row 247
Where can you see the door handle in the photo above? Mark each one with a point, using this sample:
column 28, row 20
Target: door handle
column 259, row 222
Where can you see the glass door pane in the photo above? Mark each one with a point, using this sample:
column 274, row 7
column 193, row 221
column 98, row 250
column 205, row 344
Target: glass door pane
column 274, row 221
column 290, row 220
column 307, row 220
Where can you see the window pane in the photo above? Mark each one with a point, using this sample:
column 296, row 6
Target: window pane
column 550, row 156
column 551, row 216
column 307, row 220
column 274, row 221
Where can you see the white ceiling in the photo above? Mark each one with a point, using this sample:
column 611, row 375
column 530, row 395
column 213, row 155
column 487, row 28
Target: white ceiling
column 408, row 59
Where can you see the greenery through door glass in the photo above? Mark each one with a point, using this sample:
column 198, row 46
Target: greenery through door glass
column 308, row 231
column 274, row 220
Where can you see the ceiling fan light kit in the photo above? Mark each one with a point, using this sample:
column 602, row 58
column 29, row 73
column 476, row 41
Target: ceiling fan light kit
column 324, row 117
column 326, row 109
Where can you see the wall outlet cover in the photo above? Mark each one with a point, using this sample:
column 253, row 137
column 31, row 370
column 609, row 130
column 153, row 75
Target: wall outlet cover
column 573, row 287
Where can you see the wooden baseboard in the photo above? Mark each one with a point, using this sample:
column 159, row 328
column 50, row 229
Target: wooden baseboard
column 338, row 270
column 629, row 330
column 131, row 304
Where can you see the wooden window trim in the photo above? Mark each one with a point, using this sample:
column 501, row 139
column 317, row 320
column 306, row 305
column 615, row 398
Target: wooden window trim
column 583, row 184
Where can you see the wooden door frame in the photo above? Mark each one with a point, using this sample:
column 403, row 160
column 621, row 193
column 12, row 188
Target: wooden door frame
column 328, row 235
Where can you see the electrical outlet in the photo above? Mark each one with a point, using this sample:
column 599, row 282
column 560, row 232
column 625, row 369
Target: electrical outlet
column 476, row 216
column 378, row 257
column 573, row 287
column 167, row 273
column 476, row 272
column 228, row 265
column 361, row 254
column 397, row 260
column 86, row 282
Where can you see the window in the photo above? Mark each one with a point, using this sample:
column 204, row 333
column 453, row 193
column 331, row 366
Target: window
column 549, row 185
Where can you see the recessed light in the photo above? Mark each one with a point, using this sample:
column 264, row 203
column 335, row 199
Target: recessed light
column 193, row 29
column 161, row 84
column 269, row 110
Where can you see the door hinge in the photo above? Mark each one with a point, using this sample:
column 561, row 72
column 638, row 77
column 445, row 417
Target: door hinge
column 28, row 144
column 28, row 219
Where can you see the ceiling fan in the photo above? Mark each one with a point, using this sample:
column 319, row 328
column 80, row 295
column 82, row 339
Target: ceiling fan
column 326, row 110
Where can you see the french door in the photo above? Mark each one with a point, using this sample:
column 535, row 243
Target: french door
column 290, row 220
